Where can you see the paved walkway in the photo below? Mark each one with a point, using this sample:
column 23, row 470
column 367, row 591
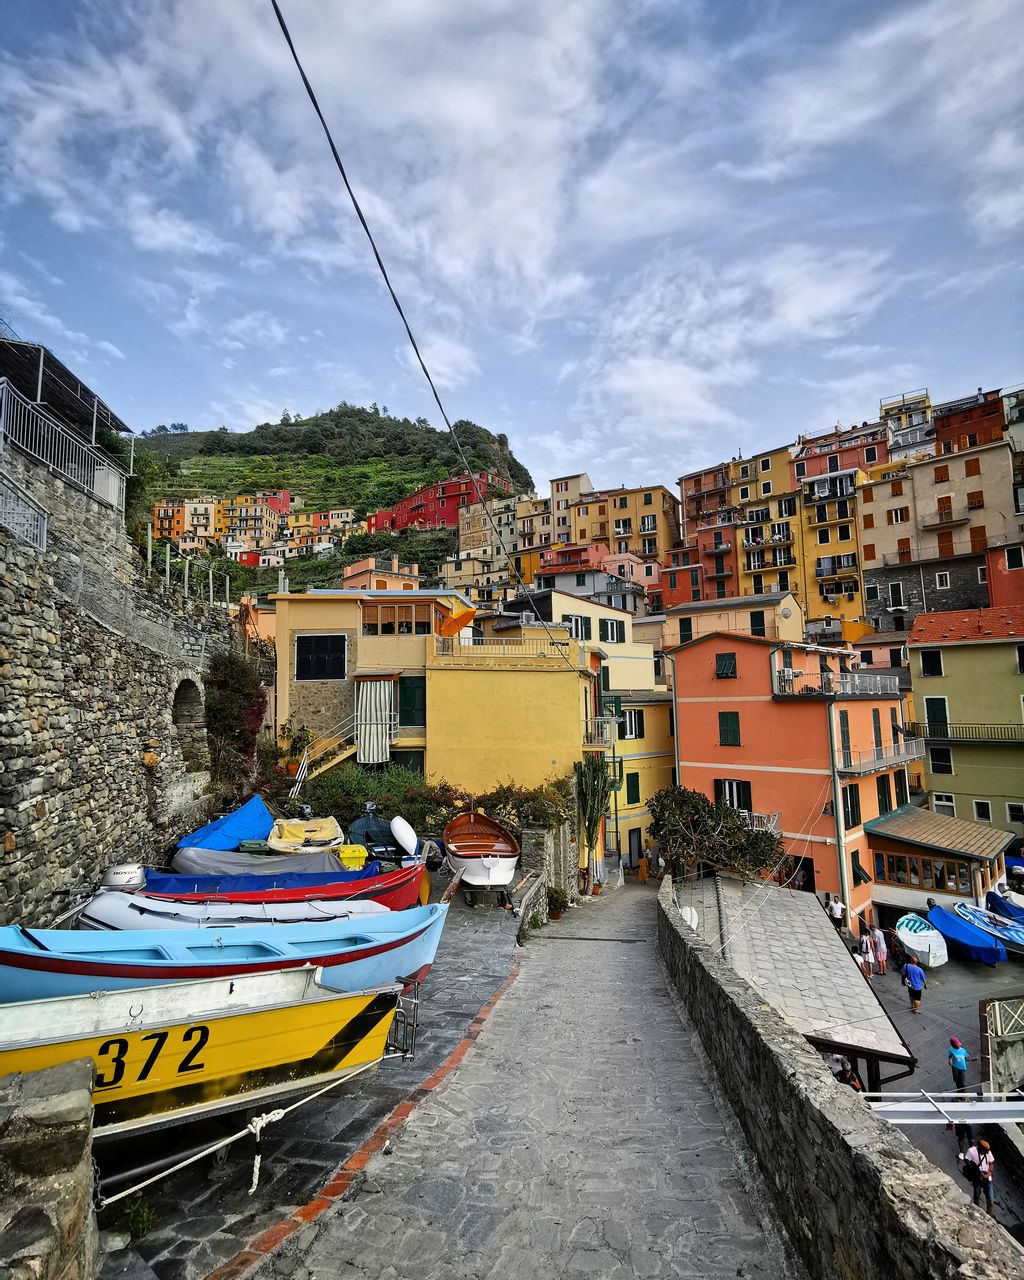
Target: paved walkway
column 578, row 1137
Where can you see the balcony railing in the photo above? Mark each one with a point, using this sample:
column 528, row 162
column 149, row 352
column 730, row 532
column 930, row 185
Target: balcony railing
column 719, row 573
column 598, row 732
column 716, row 485
column 878, row 758
column 833, row 684
column 835, row 567
column 37, row 434
column 945, row 519
column 486, row 652
column 760, row 821
column 720, row 549
column 962, row 732
column 20, row 513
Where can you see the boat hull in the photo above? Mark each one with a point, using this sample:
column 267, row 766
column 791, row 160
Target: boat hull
column 398, row 946
column 921, row 939
column 394, row 889
column 483, row 872
column 966, row 940
column 113, row 910
column 1010, row 934
column 243, row 1040
column 231, row 862
column 483, row 850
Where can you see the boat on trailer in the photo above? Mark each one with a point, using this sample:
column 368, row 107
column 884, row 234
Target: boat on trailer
column 921, row 939
column 1008, row 932
column 178, row 1052
column 397, row 946
column 482, row 850
column 965, row 938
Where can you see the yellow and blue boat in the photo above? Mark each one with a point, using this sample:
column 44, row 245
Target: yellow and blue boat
column 169, row 1054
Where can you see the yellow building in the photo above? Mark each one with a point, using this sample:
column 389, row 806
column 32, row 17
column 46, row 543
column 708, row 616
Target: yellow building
column 533, row 523
column 565, row 492
column 372, row 675
column 770, row 549
column 773, row 617
column 642, row 764
column 526, row 563
column 644, row 521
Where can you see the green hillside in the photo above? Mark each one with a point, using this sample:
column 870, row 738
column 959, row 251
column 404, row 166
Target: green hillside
column 348, row 456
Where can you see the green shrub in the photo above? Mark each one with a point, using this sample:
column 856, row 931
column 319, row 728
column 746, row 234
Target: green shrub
column 558, row 899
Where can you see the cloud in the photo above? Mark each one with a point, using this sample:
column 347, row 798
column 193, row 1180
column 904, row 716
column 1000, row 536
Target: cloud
column 451, row 363
column 24, row 308
column 255, row 329
column 164, row 231
column 108, row 348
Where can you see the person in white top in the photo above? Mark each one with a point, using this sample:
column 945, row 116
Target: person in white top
column 836, row 911
column 866, row 951
column 881, row 950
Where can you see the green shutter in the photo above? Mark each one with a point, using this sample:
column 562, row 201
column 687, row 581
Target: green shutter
column 632, row 788
column 602, row 630
column 640, row 733
column 586, row 627
column 606, row 682
column 412, row 700
column 725, row 666
column 729, row 728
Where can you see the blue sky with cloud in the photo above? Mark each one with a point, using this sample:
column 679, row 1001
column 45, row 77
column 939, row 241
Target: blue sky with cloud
column 634, row 237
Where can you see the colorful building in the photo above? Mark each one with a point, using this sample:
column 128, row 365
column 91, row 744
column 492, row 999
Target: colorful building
column 533, row 523
column 565, row 491
column 437, row 506
column 967, row 670
column 776, row 616
column 643, row 521
column 375, row 574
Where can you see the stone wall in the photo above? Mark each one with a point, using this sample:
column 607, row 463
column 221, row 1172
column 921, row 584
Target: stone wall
column 919, row 593
column 47, row 1225
column 98, row 761
column 553, row 854
column 858, row 1202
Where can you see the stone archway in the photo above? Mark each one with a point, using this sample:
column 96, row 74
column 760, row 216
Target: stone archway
column 188, row 715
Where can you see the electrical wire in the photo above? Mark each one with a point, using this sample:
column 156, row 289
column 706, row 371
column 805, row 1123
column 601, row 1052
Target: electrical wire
column 557, row 645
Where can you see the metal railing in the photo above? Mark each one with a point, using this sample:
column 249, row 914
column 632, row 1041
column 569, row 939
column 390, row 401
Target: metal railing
column 20, row 513
column 598, row 733
column 832, row 684
column 759, row 821
column 334, row 741
column 939, row 519
column 488, row 650
column 37, row 434
column 965, row 732
column 718, row 549
column 877, row 758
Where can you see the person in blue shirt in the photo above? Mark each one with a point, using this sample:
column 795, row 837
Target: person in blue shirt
column 915, row 982
column 958, row 1060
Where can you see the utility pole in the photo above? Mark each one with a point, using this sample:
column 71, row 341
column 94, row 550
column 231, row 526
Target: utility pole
column 149, row 548
column 211, row 585
column 186, row 576
column 167, row 566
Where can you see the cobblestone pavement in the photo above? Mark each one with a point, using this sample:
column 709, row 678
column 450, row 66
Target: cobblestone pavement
column 205, row 1215
column 950, row 1008
column 579, row 1137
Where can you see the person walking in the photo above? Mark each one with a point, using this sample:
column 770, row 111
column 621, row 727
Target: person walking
column 881, row 950
column 971, row 1168
column 964, row 1136
column 836, row 911
column 986, row 1180
column 958, row 1060
column 915, row 982
column 643, row 867
column 866, row 947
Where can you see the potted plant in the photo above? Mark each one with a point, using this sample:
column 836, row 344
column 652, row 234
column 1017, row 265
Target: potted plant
column 298, row 738
column 557, row 902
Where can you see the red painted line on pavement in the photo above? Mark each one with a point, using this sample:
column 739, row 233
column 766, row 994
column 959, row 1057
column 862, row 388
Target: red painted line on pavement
column 257, row 1252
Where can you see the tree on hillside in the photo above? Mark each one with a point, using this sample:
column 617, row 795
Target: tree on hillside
column 286, row 419
column 691, row 829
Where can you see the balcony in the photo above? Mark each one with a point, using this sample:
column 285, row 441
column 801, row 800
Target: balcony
column 835, row 566
column 879, row 758
column 990, row 734
column 760, row 821
column 945, row 519
column 718, row 484
column 456, row 651
column 898, row 557
column 719, row 573
column 821, row 630
column 719, row 550
column 828, row 488
column 787, row 683
column 598, row 732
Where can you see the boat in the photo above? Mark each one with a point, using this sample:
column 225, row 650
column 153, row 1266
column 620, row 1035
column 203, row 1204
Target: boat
column 249, row 824
column 397, row 946
column 114, row 910
column 1008, row 932
column 293, row 835
column 966, row 940
column 483, row 850
column 233, row 862
column 397, row 889
column 190, row 1049
column 920, row 939
column 1008, row 905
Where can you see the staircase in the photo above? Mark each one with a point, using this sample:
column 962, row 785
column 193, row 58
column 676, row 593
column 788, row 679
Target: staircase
column 337, row 745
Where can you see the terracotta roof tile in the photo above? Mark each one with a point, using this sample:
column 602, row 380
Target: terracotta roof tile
column 964, row 626
column 931, row 830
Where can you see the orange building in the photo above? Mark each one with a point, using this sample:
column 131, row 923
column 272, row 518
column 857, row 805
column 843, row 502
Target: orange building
column 169, row 519
column 799, row 743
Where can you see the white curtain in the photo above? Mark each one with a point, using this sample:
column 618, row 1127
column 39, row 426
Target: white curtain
column 375, row 702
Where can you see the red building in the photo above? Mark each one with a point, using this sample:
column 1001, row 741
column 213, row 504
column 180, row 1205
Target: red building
column 974, row 420
column 279, row 500
column 844, row 449
column 1004, row 573
column 579, row 556
column 682, row 578
column 436, row 506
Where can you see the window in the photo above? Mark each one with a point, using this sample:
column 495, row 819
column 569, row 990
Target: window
column 694, row 579
column 942, row 474
column 744, row 492
column 648, row 499
column 884, row 794
column 936, row 717
column 648, row 570
column 633, row 722
column 896, row 488
column 871, row 454
column 744, row 471
column 976, row 500
column 1015, row 557
column 611, row 631
column 1020, row 659
column 801, row 470
column 982, row 574
column 766, row 488
column 578, row 624
column 851, row 806
column 902, row 791
column 868, row 522
column 787, row 507
column 867, row 494
column 931, row 662
column 869, row 554
column 876, row 729
column 320, row 657
column 979, row 537
column 943, row 802
column 843, row 533
column 895, row 595
column 824, row 537
column 606, row 678
column 581, row 579
column 972, row 466
column 942, row 582
column 940, row 759
column 982, row 811
column 757, row 623
column 734, row 792
column 833, row 462
column 766, row 464
column 729, row 728
column 821, row 512
column 871, row 588
column 623, row 503
column 632, row 788
column 897, row 515
column 583, row 511
column 844, row 735
column 1015, row 812
column 725, row 666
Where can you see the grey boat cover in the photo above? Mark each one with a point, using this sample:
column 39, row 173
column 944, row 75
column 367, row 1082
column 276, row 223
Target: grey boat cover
column 231, row 863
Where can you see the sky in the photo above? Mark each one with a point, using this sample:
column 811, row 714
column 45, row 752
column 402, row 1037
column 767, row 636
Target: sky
column 637, row 238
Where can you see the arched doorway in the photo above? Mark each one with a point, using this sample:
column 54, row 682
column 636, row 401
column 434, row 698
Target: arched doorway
column 189, row 717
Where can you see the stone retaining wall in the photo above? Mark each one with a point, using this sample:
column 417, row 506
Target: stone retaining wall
column 856, row 1199
column 553, row 854
column 47, row 1224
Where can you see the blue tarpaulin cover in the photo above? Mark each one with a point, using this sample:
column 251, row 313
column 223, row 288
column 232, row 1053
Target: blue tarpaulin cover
column 1004, row 907
column 965, row 939
column 252, row 822
column 157, row 883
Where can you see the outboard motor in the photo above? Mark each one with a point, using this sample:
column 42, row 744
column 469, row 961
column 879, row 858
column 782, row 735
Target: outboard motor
column 126, row 877
column 305, row 813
